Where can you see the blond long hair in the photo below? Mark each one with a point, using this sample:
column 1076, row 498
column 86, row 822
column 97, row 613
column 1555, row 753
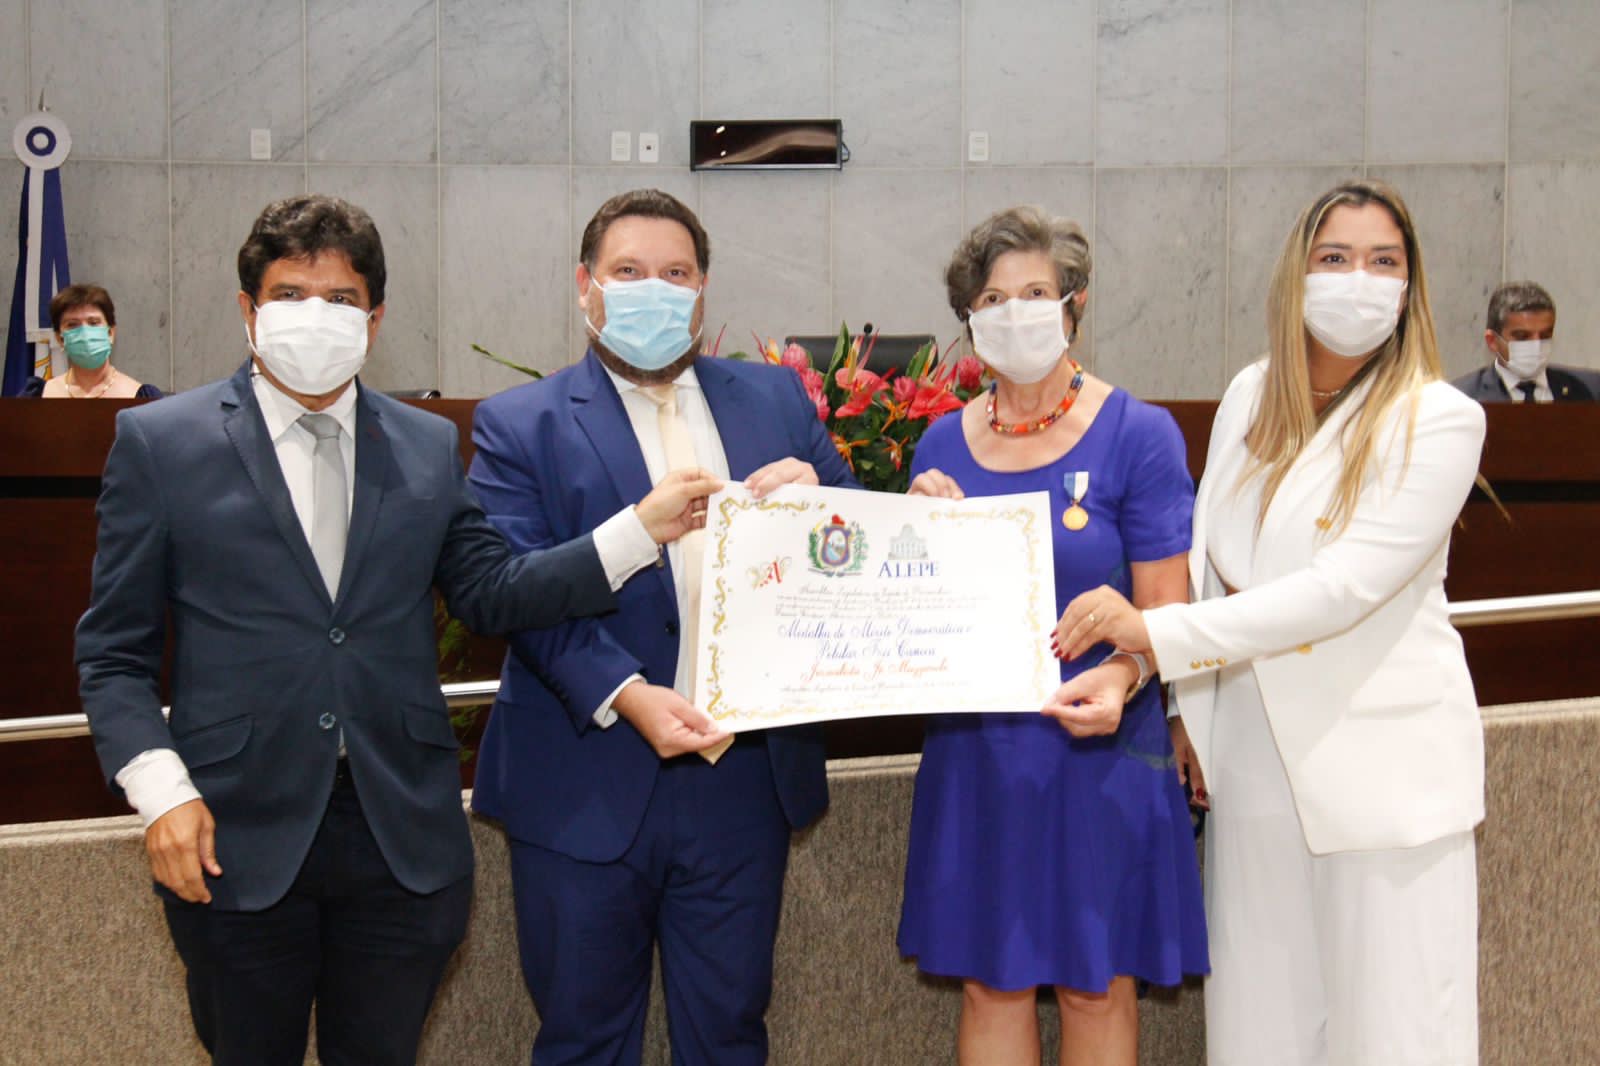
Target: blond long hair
column 1285, row 421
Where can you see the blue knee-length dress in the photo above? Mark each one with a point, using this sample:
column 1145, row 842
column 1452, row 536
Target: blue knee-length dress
column 1037, row 858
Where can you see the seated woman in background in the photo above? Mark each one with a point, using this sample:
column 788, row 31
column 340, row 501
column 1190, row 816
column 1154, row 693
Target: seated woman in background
column 1326, row 693
column 85, row 322
column 1043, row 855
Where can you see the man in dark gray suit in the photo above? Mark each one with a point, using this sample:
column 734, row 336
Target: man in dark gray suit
column 303, row 804
column 1520, row 334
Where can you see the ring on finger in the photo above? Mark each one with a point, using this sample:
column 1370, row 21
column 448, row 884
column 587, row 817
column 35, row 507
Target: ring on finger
column 1091, row 618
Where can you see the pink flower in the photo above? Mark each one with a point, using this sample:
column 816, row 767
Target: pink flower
column 904, row 390
column 812, row 381
column 969, row 372
column 796, row 358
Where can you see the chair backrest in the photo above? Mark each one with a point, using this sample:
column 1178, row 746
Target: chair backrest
column 888, row 350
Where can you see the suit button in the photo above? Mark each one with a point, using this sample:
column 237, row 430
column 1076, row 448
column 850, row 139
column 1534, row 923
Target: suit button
column 1304, row 649
column 661, row 560
column 1195, row 665
column 336, row 636
column 672, row 629
column 327, row 721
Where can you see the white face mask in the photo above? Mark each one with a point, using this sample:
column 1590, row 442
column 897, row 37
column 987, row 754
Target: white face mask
column 1526, row 358
column 311, row 346
column 1351, row 314
column 1021, row 340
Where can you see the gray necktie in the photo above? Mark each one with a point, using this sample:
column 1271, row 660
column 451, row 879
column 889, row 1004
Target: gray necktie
column 330, row 518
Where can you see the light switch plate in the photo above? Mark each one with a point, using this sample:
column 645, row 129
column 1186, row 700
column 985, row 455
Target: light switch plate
column 649, row 148
column 977, row 146
column 621, row 146
column 260, row 143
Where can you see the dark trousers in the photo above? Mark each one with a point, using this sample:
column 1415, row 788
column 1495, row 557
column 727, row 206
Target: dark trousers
column 348, row 936
column 704, row 880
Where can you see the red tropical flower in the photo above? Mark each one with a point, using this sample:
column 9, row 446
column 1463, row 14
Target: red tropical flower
column 904, row 390
column 796, row 358
column 932, row 401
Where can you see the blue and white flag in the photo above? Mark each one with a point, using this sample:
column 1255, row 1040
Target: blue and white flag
column 42, row 143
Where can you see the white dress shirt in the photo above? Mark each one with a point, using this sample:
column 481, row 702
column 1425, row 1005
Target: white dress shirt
column 156, row 780
column 1541, row 384
column 645, row 417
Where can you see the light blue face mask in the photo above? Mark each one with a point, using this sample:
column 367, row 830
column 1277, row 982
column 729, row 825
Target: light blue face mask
column 87, row 347
column 647, row 322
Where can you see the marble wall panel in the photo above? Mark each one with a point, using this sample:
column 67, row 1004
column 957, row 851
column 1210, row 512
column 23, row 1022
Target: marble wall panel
column 213, row 208
column 635, row 68
column 1030, row 79
column 404, row 203
column 506, row 274
column 1162, row 249
column 1162, row 82
column 766, row 59
column 1263, row 204
column 1436, row 81
column 1298, row 81
column 14, row 102
column 1555, row 80
column 893, row 231
column 1554, row 214
column 103, row 69
column 769, row 256
column 1460, row 216
column 236, row 66
column 117, row 232
column 370, row 78
column 897, row 81
column 504, row 81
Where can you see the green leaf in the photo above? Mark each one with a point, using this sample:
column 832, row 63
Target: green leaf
column 487, row 354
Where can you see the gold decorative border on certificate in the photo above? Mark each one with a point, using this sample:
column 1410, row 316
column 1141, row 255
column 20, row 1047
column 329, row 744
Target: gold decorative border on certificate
column 730, row 507
column 1023, row 518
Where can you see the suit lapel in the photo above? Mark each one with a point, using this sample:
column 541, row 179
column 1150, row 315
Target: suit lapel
column 743, row 419
column 372, row 468
column 599, row 413
column 247, row 431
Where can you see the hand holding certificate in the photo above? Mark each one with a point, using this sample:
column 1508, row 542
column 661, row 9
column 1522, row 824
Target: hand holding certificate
column 825, row 603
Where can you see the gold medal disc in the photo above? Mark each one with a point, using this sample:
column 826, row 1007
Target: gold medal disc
column 1075, row 518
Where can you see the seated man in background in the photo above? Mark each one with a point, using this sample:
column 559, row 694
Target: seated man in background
column 1519, row 334
column 85, row 322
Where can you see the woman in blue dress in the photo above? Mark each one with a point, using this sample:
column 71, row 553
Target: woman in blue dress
column 1055, row 849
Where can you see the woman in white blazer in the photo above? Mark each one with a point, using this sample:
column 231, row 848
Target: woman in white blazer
column 1333, row 724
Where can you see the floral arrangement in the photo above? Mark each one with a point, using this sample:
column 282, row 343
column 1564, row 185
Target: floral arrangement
column 876, row 419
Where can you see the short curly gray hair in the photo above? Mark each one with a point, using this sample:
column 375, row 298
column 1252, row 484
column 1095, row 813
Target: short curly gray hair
column 1017, row 229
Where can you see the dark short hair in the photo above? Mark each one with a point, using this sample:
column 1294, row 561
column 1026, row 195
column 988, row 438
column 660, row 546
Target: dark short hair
column 1017, row 229
column 1514, row 297
column 81, row 296
column 303, row 227
column 643, row 203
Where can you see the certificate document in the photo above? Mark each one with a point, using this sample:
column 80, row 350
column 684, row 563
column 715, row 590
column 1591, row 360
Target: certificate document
column 824, row 603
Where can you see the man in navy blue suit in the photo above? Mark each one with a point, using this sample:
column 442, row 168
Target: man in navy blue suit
column 303, row 804
column 627, row 832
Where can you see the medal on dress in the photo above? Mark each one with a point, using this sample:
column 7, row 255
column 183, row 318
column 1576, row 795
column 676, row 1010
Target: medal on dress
column 1076, row 486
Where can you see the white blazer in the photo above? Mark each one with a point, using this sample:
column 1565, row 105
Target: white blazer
column 1362, row 675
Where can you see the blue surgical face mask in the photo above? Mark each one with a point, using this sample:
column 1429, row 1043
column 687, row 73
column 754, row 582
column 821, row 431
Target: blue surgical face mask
column 87, row 347
column 647, row 322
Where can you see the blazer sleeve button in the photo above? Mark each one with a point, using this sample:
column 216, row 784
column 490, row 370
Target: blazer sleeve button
column 1195, row 665
column 1304, row 649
